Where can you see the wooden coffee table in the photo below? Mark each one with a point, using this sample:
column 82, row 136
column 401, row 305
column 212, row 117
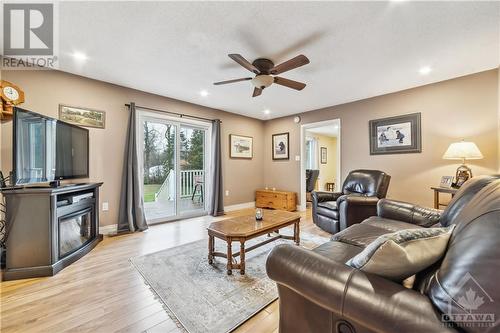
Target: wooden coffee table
column 243, row 228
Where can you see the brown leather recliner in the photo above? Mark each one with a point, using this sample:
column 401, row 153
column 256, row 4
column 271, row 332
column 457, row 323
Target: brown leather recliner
column 319, row 293
column 361, row 191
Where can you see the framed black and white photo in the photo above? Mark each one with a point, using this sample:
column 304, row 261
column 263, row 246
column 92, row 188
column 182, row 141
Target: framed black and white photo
column 323, row 155
column 281, row 149
column 396, row 135
column 240, row 146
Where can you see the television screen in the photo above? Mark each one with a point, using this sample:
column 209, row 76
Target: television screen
column 46, row 149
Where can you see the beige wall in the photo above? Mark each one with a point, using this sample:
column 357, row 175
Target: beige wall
column 465, row 107
column 327, row 171
column 44, row 91
column 498, row 104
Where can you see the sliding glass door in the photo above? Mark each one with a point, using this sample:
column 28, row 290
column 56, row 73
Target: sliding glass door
column 159, row 150
column 192, row 169
column 174, row 159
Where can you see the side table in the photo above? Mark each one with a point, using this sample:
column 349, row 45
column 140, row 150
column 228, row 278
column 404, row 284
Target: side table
column 438, row 190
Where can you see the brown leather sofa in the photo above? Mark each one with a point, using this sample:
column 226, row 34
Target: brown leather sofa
column 361, row 191
column 319, row 293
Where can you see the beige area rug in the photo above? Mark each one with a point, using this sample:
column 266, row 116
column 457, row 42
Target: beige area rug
column 203, row 298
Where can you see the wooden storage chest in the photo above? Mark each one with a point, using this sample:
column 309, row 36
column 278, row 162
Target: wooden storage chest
column 282, row 200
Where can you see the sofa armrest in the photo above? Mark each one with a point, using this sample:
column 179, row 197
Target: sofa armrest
column 318, row 196
column 355, row 208
column 361, row 298
column 309, row 274
column 407, row 212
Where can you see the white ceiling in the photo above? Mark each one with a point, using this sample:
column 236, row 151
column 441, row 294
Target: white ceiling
column 357, row 49
column 328, row 130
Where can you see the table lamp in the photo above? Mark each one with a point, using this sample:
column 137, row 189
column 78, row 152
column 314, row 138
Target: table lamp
column 463, row 150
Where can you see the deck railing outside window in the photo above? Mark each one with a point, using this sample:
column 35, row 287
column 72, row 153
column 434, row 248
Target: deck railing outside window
column 189, row 179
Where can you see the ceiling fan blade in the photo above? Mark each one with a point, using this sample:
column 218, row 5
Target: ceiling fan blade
column 243, row 62
column 256, row 92
column 298, row 61
column 289, row 83
column 232, row 81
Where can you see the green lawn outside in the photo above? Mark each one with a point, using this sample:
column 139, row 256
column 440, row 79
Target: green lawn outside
column 149, row 192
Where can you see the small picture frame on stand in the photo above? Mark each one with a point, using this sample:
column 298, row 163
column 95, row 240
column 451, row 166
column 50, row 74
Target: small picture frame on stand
column 446, row 182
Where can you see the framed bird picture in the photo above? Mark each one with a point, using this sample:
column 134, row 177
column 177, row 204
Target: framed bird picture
column 281, row 148
column 240, row 146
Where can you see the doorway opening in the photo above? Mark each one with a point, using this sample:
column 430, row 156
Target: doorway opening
column 320, row 158
column 174, row 156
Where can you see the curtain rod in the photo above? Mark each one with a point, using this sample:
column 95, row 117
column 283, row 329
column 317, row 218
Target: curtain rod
column 175, row 113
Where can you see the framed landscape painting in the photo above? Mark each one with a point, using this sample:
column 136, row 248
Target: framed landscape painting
column 82, row 116
column 240, row 146
column 396, row 135
column 281, row 149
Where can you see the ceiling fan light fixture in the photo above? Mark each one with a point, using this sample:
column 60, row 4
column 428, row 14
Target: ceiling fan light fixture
column 265, row 71
column 262, row 81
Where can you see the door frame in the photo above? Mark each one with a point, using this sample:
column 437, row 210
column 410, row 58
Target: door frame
column 178, row 122
column 302, row 177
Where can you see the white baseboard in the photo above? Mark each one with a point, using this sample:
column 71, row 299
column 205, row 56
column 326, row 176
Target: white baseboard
column 111, row 228
column 108, row 229
column 244, row 205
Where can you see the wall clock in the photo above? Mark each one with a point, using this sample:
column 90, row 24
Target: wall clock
column 10, row 95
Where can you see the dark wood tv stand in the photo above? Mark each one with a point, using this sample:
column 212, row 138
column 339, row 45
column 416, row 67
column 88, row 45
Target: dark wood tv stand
column 49, row 228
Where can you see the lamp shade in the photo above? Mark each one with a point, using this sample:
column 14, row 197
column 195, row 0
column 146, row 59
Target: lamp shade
column 463, row 151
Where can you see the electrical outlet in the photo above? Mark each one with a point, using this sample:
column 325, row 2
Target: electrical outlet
column 105, row 206
column 297, row 157
column 227, row 193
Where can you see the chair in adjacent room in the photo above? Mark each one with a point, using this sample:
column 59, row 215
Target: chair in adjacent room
column 311, row 178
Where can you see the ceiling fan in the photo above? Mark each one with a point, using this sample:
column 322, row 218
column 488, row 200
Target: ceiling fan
column 265, row 71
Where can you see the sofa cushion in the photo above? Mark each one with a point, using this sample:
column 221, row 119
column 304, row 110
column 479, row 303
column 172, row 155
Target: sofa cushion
column 388, row 224
column 359, row 234
column 330, row 213
column 326, row 223
column 367, row 182
column 337, row 251
column 328, row 204
column 404, row 253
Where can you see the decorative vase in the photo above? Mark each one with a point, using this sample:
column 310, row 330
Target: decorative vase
column 259, row 214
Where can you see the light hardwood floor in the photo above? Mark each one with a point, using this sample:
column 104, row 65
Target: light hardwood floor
column 102, row 292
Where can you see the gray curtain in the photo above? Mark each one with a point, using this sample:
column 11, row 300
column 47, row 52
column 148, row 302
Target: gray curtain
column 216, row 206
column 131, row 215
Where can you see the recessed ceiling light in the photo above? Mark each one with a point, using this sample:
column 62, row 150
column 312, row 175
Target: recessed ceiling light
column 79, row 56
column 203, row 93
column 425, row 70
column 267, row 111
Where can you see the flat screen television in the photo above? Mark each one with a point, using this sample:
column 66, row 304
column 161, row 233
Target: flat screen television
column 47, row 149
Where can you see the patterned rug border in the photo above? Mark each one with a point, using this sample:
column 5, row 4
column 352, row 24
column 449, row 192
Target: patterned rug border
column 169, row 311
column 157, row 296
